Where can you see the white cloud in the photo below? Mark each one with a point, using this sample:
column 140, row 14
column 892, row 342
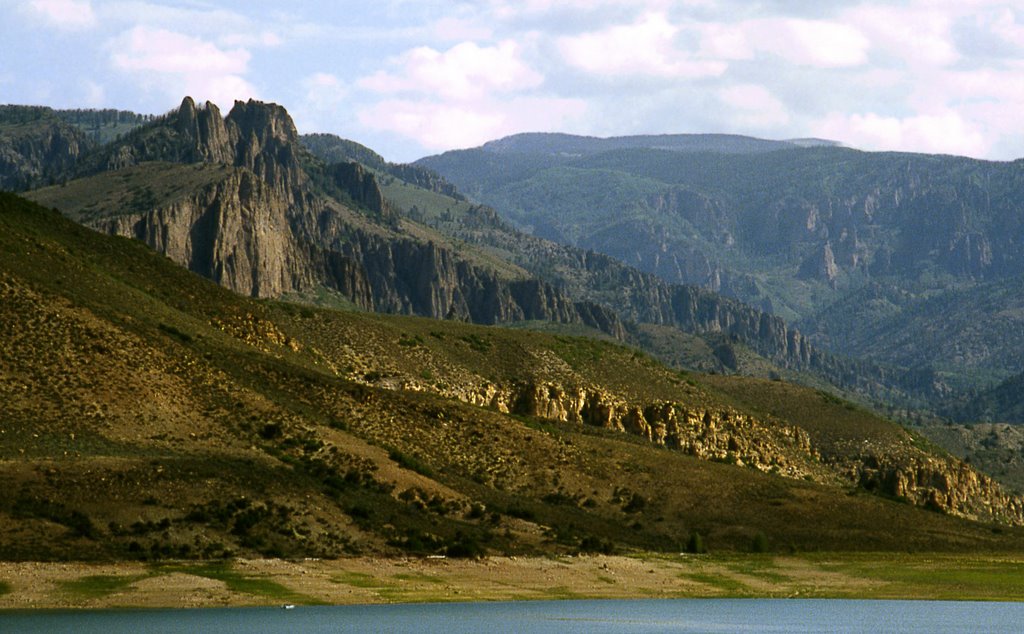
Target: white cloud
column 193, row 17
column 95, row 94
column 454, row 29
column 815, row 43
column 439, row 126
column 267, row 39
column 724, row 41
column 71, row 15
column 943, row 132
column 1004, row 25
column 915, row 35
column 645, row 47
column 179, row 64
column 163, row 51
column 754, row 107
column 465, row 71
column 324, row 91
column 509, row 9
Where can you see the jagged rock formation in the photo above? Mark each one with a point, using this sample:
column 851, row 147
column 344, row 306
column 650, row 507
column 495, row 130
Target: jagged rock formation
column 257, row 136
column 234, row 231
column 821, row 265
column 707, row 433
column 334, row 149
column 643, row 298
column 260, row 229
column 949, row 486
column 401, row 275
column 945, row 485
column 802, row 230
column 362, row 187
column 36, row 147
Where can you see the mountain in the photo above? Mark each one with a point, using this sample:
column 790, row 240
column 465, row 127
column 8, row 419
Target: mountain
column 40, row 145
column 863, row 252
column 657, row 316
column 334, row 149
column 151, row 414
column 37, row 146
column 575, row 146
column 246, row 201
column 239, row 200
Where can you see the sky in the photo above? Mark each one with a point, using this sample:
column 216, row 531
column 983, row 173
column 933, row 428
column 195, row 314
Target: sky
column 412, row 78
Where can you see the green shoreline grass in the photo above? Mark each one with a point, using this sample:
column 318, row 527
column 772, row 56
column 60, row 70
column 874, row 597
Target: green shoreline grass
column 360, row 581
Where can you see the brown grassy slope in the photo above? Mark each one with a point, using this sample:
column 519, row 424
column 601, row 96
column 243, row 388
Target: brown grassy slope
column 148, row 413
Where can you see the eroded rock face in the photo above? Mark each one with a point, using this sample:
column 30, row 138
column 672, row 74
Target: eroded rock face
column 944, row 485
column 41, row 148
column 706, row 433
column 259, row 231
column 400, row 275
column 234, row 232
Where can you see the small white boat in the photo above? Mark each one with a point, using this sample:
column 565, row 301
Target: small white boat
column 288, row 606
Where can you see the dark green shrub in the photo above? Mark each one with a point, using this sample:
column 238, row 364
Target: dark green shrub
column 759, row 544
column 695, row 544
column 464, row 546
column 636, row 504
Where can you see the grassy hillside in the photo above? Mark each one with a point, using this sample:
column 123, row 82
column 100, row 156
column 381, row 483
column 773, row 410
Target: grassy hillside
column 880, row 256
column 151, row 414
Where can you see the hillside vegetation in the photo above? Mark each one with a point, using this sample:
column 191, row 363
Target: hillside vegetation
column 149, row 413
column 904, row 260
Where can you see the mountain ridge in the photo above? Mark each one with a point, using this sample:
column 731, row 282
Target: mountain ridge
column 229, row 409
column 799, row 232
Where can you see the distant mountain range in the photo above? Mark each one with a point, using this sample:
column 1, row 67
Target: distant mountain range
column 702, row 249
column 151, row 414
column 333, row 225
column 575, row 146
column 905, row 260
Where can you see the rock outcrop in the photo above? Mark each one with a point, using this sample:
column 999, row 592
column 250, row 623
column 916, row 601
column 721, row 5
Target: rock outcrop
column 821, row 265
column 362, row 188
column 944, row 485
column 708, row 433
column 36, row 147
column 259, row 230
column 234, row 231
column 260, row 137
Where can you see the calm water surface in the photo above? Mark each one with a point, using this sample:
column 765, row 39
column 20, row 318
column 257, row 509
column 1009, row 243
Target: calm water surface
column 683, row 615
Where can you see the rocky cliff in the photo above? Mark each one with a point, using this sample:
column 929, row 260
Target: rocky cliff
column 945, row 485
column 260, row 226
column 260, row 137
column 643, row 298
column 234, row 231
column 389, row 273
column 36, row 147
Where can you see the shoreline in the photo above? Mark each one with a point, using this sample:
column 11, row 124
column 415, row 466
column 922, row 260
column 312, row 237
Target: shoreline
column 381, row 580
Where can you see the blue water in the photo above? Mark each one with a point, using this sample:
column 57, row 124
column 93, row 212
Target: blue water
column 681, row 615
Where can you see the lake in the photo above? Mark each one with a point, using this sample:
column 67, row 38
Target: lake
column 670, row 615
